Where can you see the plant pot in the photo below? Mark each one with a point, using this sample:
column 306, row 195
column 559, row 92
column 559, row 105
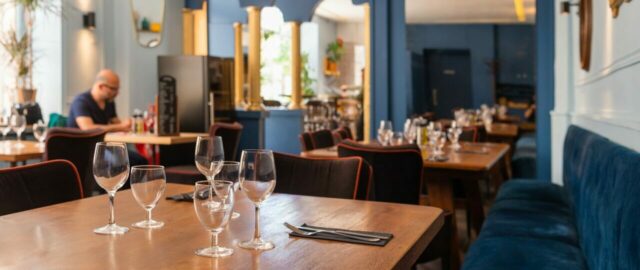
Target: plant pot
column 26, row 96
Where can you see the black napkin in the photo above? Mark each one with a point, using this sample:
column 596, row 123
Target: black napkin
column 182, row 197
column 334, row 237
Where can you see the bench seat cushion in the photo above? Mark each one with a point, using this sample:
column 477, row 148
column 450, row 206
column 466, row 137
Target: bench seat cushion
column 533, row 190
column 522, row 253
column 543, row 220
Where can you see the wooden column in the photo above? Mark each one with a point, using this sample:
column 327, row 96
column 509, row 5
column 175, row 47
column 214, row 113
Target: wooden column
column 255, row 100
column 238, row 68
column 296, row 65
column 367, row 74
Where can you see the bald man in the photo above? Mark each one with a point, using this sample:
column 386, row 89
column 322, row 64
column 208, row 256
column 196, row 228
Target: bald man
column 96, row 108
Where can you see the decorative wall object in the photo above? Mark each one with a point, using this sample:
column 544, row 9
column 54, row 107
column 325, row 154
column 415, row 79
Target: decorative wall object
column 334, row 54
column 148, row 20
column 615, row 6
column 586, row 32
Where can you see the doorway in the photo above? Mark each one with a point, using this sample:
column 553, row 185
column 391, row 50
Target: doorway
column 448, row 81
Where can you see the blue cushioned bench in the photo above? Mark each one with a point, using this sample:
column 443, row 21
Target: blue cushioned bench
column 592, row 222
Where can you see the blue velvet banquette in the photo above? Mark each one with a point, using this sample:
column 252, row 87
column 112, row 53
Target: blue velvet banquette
column 592, row 222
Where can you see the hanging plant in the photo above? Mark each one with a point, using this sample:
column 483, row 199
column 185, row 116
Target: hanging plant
column 335, row 50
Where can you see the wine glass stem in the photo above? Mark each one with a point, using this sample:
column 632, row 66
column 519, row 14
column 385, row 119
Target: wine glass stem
column 19, row 137
column 214, row 239
column 256, row 234
column 149, row 215
column 112, row 213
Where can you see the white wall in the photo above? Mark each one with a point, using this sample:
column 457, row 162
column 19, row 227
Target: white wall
column 327, row 33
column 606, row 99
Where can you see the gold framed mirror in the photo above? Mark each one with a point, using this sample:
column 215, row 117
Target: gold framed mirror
column 148, row 21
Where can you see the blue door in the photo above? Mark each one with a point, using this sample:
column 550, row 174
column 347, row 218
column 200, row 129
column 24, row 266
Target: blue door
column 448, row 84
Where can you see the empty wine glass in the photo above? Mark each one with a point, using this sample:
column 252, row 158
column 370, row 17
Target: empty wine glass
column 40, row 132
column 454, row 137
column 257, row 180
column 229, row 171
column 385, row 132
column 111, row 169
column 18, row 124
column 440, row 142
column 6, row 125
column 147, row 184
column 213, row 203
column 208, row 151
column 410, row 131
column 397, row 138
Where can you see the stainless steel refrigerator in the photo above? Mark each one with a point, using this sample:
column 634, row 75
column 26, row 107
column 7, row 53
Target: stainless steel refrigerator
column 204, row 87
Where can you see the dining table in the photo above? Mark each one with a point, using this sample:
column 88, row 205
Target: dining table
column 12, row 152
column 61, row 236
column 153, row 140
column 466, row 167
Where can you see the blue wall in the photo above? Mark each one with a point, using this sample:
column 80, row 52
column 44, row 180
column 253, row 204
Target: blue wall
column 479, row 39
column 545, row 42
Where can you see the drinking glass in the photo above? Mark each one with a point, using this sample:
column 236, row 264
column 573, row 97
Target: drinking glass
column 454, row 137
column 397, row 138
column 40, row 132
column 18, row 124
column 208, row 151
column 257, row 180
column 385, row 132
column 147, row 184
column 111, row 169
column 229, row 171
column 410, row 131
column 6, row 125
column 213, row 203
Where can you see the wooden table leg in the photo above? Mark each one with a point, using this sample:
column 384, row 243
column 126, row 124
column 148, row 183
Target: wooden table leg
column 474, row 204
column 441, row 195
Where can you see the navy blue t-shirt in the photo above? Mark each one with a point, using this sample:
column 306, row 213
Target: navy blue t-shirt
column 84, row 105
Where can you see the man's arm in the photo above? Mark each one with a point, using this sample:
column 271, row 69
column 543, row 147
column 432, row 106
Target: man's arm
column 85, row 123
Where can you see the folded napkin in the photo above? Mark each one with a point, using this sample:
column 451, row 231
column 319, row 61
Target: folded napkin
column 335, row 237
column 183, row 197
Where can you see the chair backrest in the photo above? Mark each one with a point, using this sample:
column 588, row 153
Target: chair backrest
column 347, row 178
column 342, row 133
column 603, row 182
column 77, row 146
column 305, row 141
column 230, row 133
column 37, row 185
column 397, row 170
column 321, row 139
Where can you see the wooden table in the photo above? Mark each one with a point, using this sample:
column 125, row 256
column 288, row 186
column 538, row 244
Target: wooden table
column 184, row 137
column 61, row 236
column 10, row 153
column 502, row 130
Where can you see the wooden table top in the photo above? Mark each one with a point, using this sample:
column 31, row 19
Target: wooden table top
column 61, row 236
column 10, row 153
column 503, row 130
column 184, row 137
column 472, row 156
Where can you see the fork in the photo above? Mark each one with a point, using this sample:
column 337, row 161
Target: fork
column 315, row 231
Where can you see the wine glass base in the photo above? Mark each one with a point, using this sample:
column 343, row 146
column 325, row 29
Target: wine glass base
column 111, row 229
column 257, row 244
column 214, row 252
column 148, row 224
column 235, row 215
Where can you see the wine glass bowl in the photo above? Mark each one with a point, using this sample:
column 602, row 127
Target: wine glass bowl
column 213, row 204
column 111, row 170
column 148, row 183
column 209, row 150
column 18, row 123
column 229, row 171
column 257, row 180
column 40, row 132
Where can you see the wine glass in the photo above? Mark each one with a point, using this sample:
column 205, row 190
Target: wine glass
column 147, row 184
column 397, row 138
column 40, row 132
column 6, row 125
column 257, row 180
column 229, row 171
column 454, row 137
column 111, row 169
column 208, row 151
column 410, row 131
column 18, row 124
column 213, row 203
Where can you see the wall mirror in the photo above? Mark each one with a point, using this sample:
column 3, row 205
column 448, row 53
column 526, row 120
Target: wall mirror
column 148, row 21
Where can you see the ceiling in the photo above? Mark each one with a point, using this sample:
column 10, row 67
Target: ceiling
column 440, row 11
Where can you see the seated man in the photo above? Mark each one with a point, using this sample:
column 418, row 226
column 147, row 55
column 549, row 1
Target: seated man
column 96, row 109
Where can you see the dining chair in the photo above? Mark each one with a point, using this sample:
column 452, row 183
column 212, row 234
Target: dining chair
column 37, row 185
column 397, row 170
column 317, row 139
column 342, row 133
column 347, row 178
column 189, row 174
column 76, row 146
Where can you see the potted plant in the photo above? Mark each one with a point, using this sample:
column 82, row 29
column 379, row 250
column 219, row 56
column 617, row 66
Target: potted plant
column 19, row 46
column 334, row 54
